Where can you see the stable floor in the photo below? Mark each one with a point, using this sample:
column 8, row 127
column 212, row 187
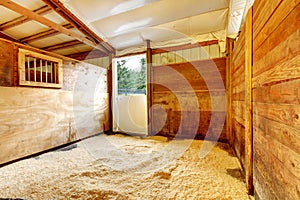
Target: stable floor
column 124, row 167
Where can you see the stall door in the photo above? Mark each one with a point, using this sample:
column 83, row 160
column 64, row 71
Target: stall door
column 129, row 95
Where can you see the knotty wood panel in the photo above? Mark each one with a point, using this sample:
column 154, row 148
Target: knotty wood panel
column 183, row 105
column 276, row 76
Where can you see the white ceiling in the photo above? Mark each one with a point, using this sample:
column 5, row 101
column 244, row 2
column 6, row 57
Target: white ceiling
column 128, row 23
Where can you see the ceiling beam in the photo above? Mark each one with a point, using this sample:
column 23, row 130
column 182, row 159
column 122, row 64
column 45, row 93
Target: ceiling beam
column 183, row 47
column 20, row 20
column 7, row 37
column 62, row 45
column 34, row 16
column 87, row 55
column 76, row 22
column 43, row 34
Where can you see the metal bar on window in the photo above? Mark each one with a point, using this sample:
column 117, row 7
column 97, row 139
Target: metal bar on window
column 46, row 71
column 41, row 70
column 28, row 68
column 34, row 64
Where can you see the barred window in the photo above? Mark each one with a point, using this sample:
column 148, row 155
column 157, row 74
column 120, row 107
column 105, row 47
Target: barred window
column 39, row 70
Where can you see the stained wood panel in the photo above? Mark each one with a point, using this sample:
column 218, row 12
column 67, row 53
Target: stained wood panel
column 276, row 75
column 7, row 54
column 192, row 99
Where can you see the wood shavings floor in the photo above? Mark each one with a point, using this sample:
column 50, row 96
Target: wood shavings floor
column 124, row 167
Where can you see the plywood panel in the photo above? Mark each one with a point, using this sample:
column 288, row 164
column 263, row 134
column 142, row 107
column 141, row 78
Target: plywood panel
column 34, row 119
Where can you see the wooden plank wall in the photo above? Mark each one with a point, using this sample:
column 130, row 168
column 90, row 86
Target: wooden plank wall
column 276, row 98
column 187, row 87
column 36, row 119
column 238, row 93
column 275, row 77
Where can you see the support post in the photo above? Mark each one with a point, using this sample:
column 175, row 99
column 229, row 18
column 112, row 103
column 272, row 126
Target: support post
column 149, row 86
column 248, row 99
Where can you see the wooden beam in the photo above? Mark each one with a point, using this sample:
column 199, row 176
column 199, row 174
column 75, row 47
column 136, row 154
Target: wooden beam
column 34, row 16
column 62, row 45
column 110, row 92
column 183, row 47
column 229, row 51
column 248, row 101
column 43, row 34
column 149, row 86
column 7, row 37
column 87, row 55
column 76, row 22
column 20, row 20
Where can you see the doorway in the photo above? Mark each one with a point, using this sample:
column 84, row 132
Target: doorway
column 129, row 95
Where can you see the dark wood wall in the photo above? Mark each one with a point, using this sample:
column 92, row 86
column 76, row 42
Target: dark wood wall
column 7, row 65
column 276, row 98
column 35, row 119
column 189, row 99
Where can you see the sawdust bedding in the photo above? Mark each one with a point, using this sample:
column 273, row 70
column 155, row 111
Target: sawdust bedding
column 124, row 167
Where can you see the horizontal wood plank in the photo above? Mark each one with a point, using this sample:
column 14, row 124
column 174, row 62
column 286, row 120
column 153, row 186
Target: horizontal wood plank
column 281, row 53
column 282, row 23
column 286, row 92
column 283, row 113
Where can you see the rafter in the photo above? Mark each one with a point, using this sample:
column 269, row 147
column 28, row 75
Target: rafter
column 87, row 55
column 7, row 37
column 34, row 16
column 72, row 19
column 43, row 34
column 63, row 45
column 20, row 20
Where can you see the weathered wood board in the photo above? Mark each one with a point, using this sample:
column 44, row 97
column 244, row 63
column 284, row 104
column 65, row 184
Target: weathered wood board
column 238, row 98
column 276, row 75
column 190, row 99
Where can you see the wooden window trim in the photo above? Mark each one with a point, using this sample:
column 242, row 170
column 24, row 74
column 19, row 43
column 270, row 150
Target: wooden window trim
column 22, row 69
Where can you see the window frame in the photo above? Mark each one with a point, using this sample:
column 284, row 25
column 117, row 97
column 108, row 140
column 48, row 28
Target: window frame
column 22, row 69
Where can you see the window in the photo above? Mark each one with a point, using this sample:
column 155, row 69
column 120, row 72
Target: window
column 131, row 75
column 39, row 70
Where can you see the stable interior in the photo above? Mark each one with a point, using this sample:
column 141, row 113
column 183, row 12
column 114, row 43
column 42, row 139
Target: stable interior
column 214, row 113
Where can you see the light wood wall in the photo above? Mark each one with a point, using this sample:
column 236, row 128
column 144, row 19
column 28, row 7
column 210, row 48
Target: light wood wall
column 188, row 93
column 276, row 98
column 238, row 94
column 274, row 77
column 36, row 119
